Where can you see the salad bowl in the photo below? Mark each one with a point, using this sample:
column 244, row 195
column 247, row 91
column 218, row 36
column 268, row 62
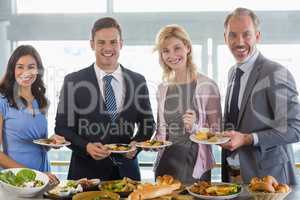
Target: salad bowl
column 23, row 182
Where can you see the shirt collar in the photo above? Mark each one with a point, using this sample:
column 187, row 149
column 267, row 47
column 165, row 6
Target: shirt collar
column 117, row 74
column 248, row 64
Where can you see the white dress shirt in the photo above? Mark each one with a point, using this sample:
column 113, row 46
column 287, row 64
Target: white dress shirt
column 117, row 84
column 246, row 67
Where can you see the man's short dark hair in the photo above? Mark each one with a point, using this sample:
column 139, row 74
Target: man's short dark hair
column 243, row 12
column 106, row 22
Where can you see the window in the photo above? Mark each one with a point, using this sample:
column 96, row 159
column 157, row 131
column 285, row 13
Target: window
column 60, row 6
column 191, row 5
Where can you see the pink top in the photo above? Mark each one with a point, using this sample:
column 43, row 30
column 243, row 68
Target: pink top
column 207, row 98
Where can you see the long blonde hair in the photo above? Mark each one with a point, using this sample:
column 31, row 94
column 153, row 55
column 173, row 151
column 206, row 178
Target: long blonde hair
column 178, row 32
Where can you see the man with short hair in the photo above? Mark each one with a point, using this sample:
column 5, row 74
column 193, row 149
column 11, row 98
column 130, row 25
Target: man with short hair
column 261, row 108
column 102, row 104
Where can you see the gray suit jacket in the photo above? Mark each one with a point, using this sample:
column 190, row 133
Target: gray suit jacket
column 271, row 109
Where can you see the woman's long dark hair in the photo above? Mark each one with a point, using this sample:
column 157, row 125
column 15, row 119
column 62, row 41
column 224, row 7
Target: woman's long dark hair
column 9, row 85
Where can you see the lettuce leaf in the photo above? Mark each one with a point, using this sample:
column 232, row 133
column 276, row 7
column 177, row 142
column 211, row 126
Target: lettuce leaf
column 26, row 174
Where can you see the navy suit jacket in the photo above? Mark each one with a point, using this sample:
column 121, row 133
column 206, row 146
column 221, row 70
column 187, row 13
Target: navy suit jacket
column 81, row 118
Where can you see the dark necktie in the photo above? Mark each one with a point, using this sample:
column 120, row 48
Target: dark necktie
column 110, row 100
column 234, row 109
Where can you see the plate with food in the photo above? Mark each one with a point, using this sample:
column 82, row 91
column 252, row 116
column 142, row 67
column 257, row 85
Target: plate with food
column 120, row 148
column 153, row 144
column 64, row 190
column 123, row 187
column 67, row 188
column 96, row 195
column 208, row 190
column 209, row 137
column 89, row 184
column 51, row 143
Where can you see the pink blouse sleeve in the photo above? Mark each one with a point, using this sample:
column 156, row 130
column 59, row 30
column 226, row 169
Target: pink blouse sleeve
column 213, row 108
column 209, row 106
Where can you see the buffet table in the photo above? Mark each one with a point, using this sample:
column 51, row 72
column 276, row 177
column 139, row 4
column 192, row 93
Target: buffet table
column 294, row 195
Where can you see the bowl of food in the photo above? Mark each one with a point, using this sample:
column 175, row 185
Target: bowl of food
column 122, row 187
column 23, row 182
column 215, row 190
column 267, row 188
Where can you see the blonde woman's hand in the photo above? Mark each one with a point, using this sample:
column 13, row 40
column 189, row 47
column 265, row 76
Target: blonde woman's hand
column 189, row 118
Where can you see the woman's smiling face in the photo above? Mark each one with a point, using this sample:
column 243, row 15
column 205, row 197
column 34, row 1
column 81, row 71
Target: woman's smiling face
column 26, row 71
column 174, row 53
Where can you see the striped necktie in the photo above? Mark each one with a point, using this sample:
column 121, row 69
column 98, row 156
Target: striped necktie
column 110, row 100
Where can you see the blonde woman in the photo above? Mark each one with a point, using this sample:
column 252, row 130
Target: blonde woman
column 187, row 101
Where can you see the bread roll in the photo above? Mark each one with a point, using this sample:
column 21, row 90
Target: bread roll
column 164, row 180
column 255, row 180
column 152, row 191
column 282, row 188
column 270, row 180
column 262, row 187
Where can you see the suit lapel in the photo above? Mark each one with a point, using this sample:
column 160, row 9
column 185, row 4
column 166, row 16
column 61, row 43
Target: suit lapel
column 254, row 75
column 128, row 90
column 93, row 79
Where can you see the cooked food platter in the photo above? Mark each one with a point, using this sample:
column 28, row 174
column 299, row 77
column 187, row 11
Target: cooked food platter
column 208, row 190
column 153, row 144
column 123, row 187
column 51, row 143
column 120, row 148
column 208, row 137
column 67, row 188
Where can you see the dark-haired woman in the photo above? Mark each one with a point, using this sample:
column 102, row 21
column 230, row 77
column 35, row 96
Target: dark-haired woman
column 22, row 112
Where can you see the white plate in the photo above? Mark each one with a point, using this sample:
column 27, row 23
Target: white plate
column 61, row 190
column 221, row 140
column 166, row 144
column 43, row 143
column 125, row 151
column 215, row 197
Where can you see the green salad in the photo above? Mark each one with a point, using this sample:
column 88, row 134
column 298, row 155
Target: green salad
column 23, row 178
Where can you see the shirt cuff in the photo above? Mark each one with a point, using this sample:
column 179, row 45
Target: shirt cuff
column 255, row 139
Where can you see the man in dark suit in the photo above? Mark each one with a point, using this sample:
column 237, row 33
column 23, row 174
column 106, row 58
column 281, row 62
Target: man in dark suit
column 104, row 104
column 261, row 108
